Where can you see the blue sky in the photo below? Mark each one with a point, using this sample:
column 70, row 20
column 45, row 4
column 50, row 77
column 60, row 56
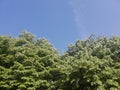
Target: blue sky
column 61, row 21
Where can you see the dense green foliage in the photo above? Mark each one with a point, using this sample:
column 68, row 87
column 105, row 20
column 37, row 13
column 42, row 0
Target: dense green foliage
column 27, row 63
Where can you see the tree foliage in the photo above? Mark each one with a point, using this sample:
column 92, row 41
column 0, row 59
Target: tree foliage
column 27, row 63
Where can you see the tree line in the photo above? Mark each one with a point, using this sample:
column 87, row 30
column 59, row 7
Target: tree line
column 27, row 63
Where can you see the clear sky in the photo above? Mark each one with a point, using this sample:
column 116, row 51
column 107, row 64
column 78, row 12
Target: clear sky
column 61, row 21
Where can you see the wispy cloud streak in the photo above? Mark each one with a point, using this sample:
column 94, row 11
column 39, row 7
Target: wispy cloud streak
column 78, row 17
column 101, row 17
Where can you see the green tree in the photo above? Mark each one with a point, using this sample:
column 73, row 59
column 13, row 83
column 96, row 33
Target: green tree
column 27, row 63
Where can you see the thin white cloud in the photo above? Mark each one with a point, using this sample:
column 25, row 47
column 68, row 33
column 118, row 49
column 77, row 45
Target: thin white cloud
column 99, row 17
column 78, row 15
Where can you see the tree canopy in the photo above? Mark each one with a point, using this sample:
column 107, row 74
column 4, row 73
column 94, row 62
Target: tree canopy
column 27, row 63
